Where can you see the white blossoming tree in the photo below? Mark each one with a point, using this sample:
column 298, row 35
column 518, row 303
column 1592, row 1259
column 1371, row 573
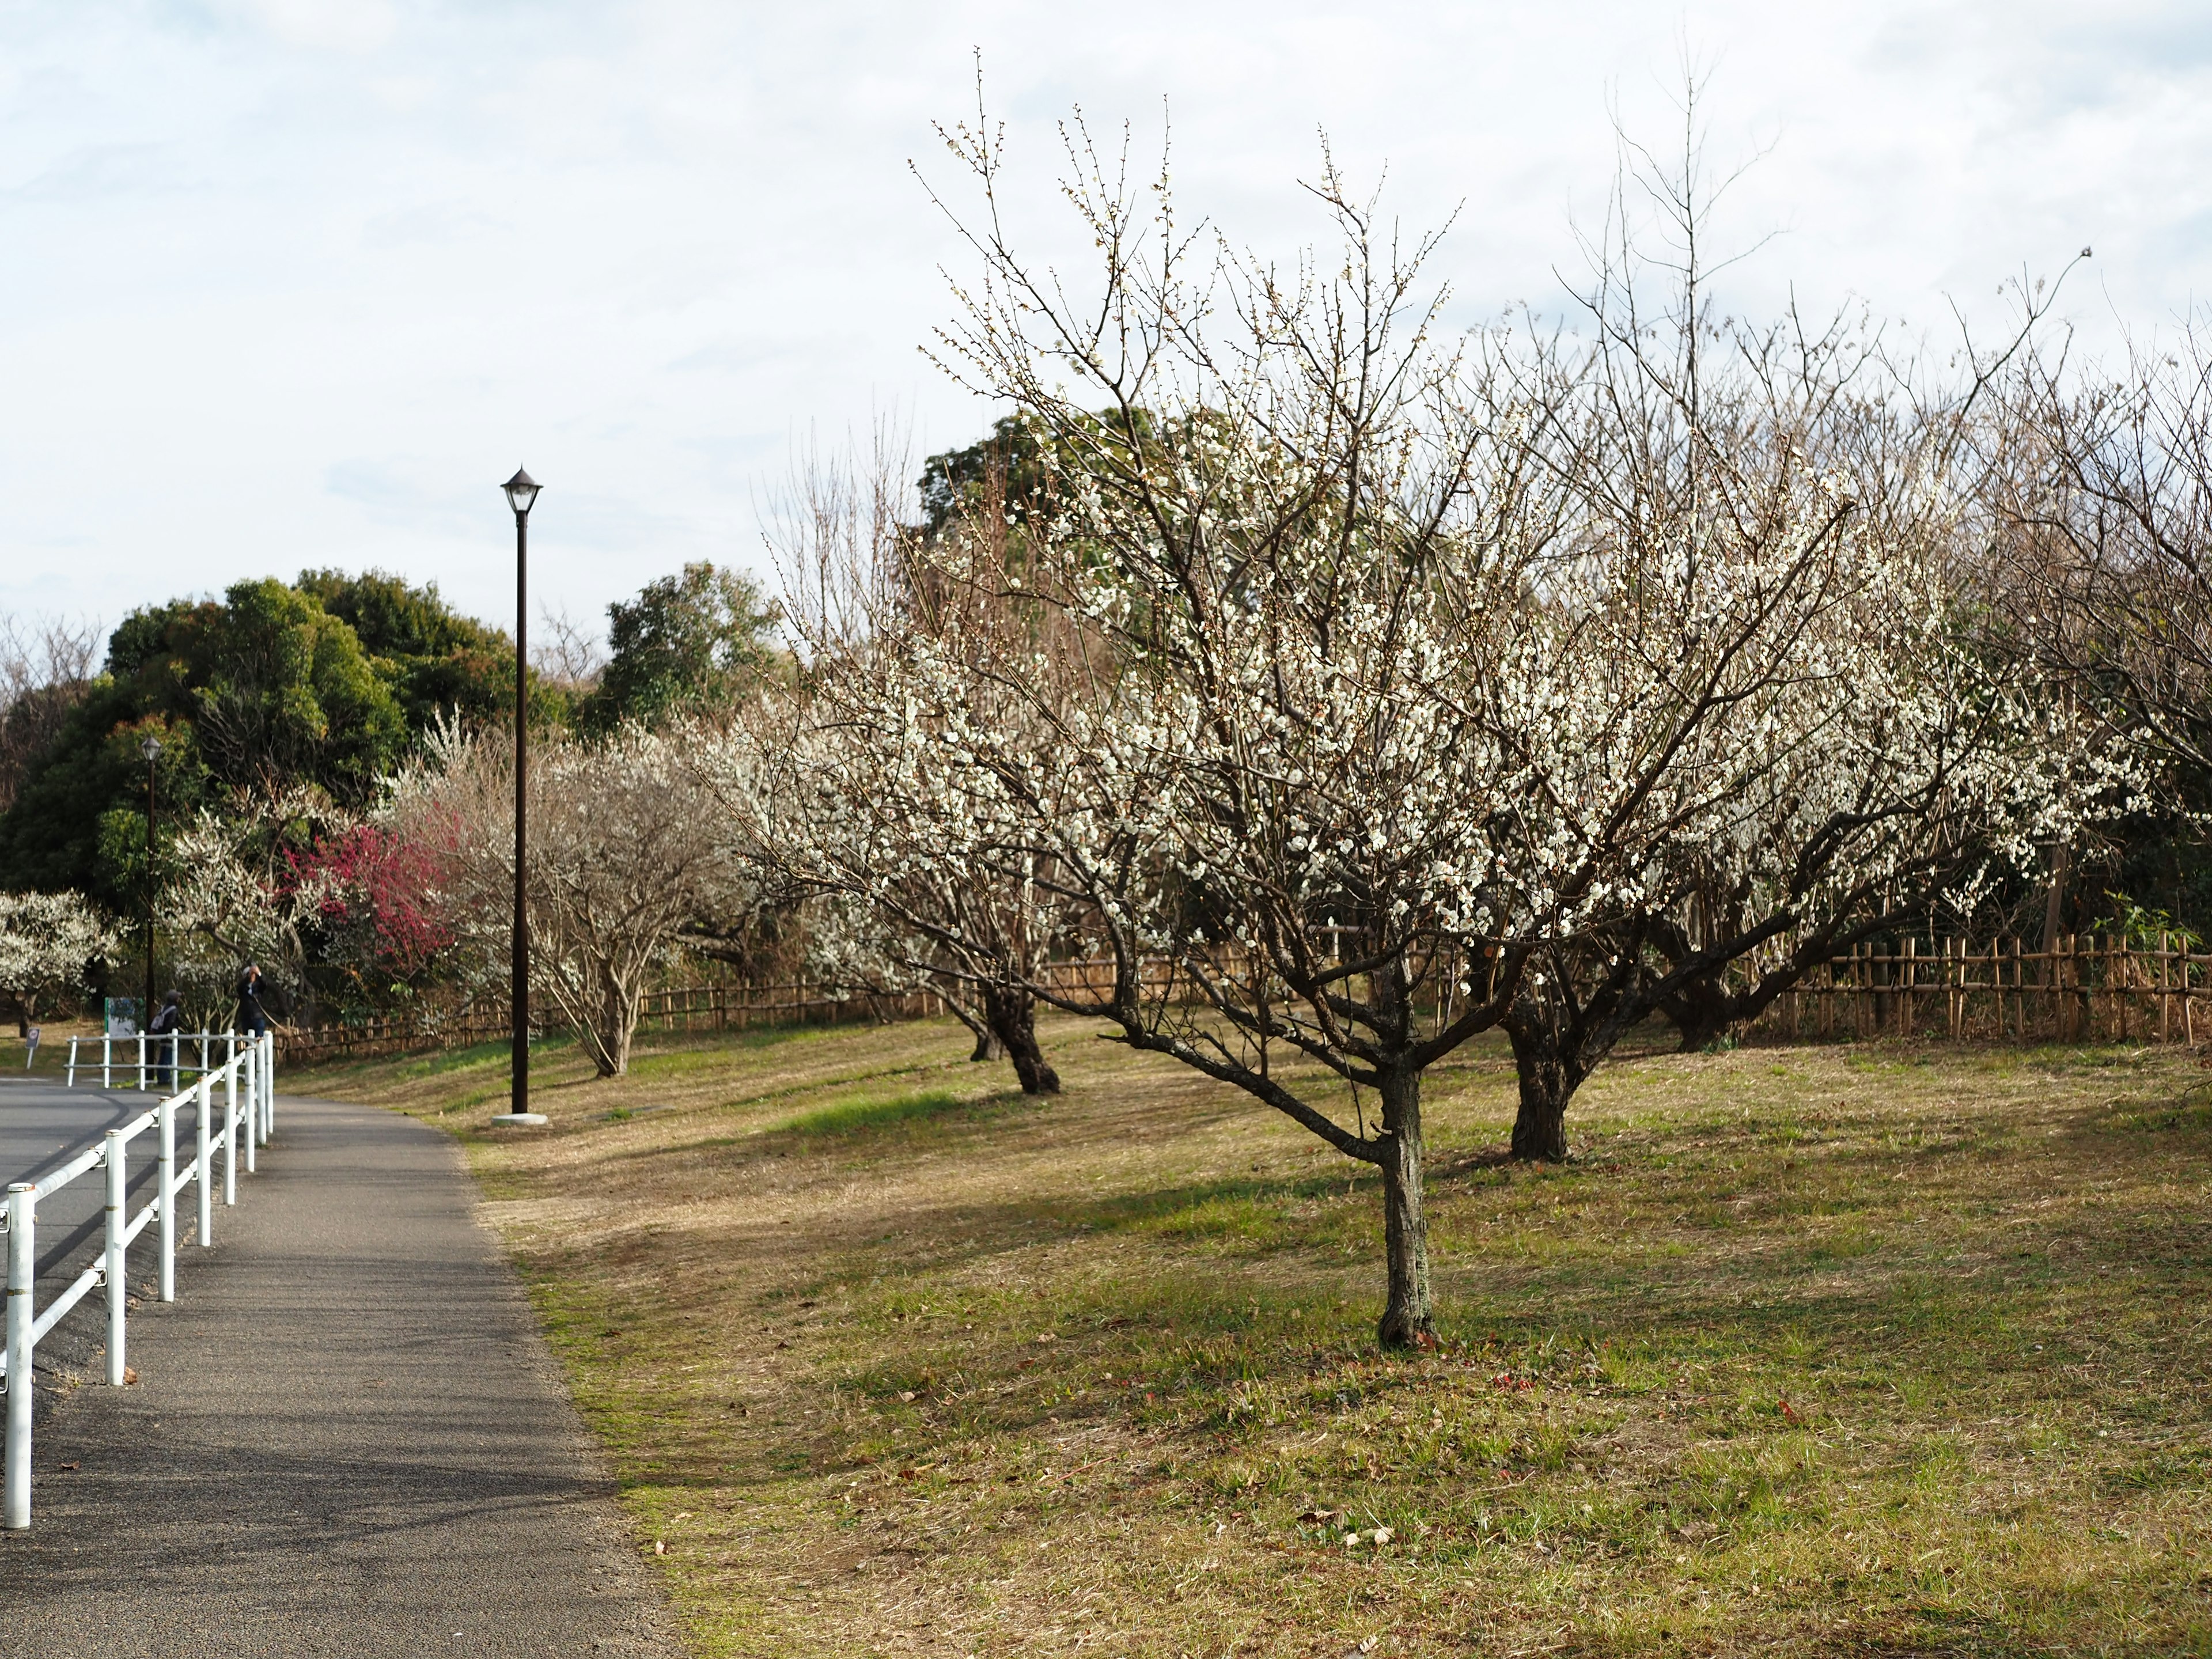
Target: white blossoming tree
column 1885, row 751
column 625, row 850
column 48, row 944
column 825, row 791
column 230, row 894
column 2101, row 480
column 1326, row 684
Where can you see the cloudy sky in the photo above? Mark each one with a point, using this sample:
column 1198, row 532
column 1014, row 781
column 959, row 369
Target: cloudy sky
column 295, row 283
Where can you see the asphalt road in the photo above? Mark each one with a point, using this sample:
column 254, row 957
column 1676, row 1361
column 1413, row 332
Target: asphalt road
column 42, row 1124
column 348, row 1440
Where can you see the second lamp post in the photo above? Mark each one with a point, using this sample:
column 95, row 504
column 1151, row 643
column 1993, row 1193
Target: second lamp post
column 521, row 490
column 151, row 748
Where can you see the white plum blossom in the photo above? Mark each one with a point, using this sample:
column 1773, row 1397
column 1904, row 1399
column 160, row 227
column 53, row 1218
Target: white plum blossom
column 48, row 944
column 1339, row 672
column 625, row 850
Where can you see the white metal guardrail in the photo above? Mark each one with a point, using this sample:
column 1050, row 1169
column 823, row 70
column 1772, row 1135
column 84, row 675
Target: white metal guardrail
column 161, row 1056
column 248, row 1080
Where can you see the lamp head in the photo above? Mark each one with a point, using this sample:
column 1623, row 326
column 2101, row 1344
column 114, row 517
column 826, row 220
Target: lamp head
column 521, row 490
column 151, row 748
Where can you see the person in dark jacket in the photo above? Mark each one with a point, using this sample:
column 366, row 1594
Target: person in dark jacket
column 167, row 1024
column 250, row 1019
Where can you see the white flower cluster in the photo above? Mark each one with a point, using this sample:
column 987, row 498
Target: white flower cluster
column 1332, row 674
column 625, row 850
column 47, row 942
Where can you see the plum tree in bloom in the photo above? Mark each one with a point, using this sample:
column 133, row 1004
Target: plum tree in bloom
column 2101, row 482
column 232, row 893
column 371, row 895
column 1317, row 700
column 625, row 850
column 48, row 943
column 1884, row 752
column 822, row 787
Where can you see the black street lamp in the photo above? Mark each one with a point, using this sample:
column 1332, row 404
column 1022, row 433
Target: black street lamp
column 521, row 491
column 151, row 748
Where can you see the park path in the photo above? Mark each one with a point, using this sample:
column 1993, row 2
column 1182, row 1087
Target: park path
column 350, row 1440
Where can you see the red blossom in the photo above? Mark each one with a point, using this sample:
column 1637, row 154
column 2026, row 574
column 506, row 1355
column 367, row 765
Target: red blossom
column 369, row 875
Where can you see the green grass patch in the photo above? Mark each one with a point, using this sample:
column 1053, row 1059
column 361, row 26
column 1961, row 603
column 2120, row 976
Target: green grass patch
column 858, row 1113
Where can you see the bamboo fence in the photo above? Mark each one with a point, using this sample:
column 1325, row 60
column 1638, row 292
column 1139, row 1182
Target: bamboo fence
column 681, row 1008
column 2087, row 988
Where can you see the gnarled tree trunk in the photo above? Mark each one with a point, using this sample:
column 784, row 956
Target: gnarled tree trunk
column 1539, row 1127
column 1702, row 1013
column 1408, row 1318
column 1009, row 1012
column 988, row 1046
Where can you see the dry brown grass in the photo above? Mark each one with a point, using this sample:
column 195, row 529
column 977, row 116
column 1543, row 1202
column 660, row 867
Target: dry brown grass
column 893, row 1362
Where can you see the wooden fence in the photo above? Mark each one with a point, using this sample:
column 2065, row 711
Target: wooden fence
column 681, row 1008
column 2087, row 988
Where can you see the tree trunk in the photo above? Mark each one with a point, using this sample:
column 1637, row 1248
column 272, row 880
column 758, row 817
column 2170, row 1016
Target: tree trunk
column 608, row 1038
column 1701, row 1014
column 1012, row 1015
column 988, row 1046
column 1539, row 1127
column 2054, row 902
column 1408, row 1319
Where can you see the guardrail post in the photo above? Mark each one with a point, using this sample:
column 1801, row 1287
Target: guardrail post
column 106, row 1062
column 249, row 1119
column 269, row 1084
column 205, row 1103
column 118, row 1283
column 164, row 1199
column 22, row 1211
column 142, row 1060
column 230, row 1121
column 70, row 1081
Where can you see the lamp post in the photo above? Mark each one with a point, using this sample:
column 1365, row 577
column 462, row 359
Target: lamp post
column 521, row 491
column 151, row 748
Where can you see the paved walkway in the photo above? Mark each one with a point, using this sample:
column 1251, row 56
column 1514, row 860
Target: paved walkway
column 350, row 1440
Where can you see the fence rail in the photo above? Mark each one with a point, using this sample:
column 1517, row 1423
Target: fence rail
column 686, row 1008
column 2087, row 988
column 248, row 1083
column 166, row 1055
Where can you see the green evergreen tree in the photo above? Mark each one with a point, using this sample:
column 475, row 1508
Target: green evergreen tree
column 687, row 643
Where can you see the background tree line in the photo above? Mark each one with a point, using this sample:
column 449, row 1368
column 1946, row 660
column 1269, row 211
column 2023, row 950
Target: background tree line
column 285, row 712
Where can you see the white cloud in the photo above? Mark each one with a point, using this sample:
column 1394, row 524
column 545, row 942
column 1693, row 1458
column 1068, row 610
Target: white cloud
column 296, row 284
column 340, row 25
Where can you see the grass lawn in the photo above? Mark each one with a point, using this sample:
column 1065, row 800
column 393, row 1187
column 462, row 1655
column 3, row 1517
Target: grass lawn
column 1812, row 1350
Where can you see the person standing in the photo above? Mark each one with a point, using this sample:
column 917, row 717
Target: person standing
column 250, row 1019
column 166, row 1026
